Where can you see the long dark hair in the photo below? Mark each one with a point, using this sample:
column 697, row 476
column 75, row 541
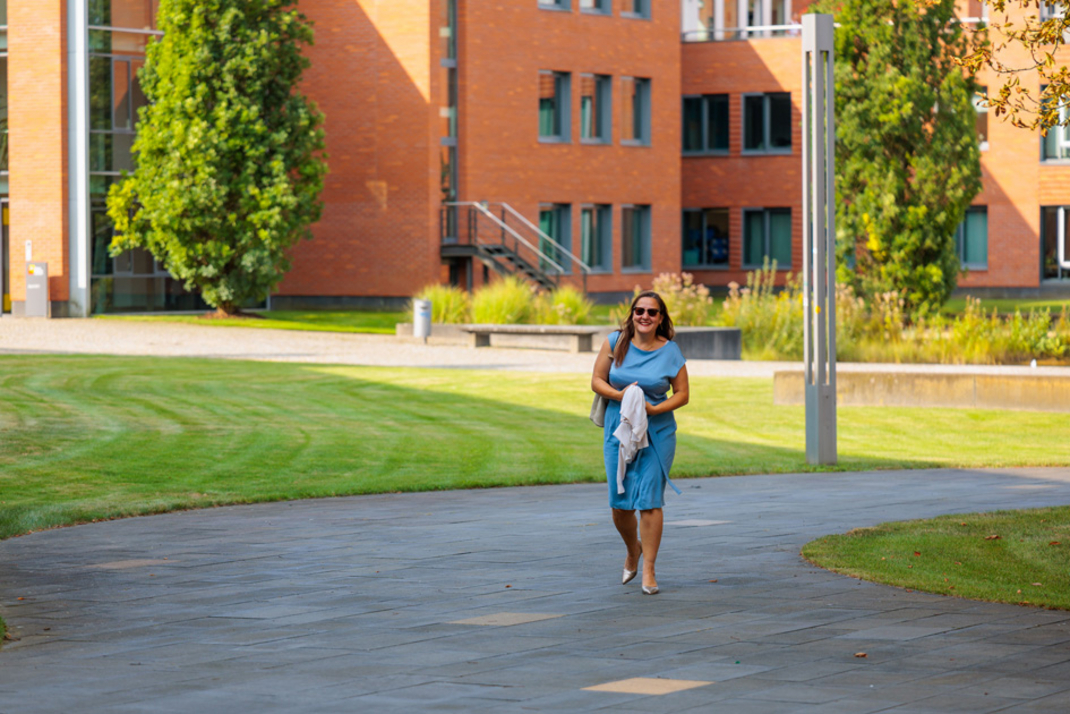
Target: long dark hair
column 627, row 327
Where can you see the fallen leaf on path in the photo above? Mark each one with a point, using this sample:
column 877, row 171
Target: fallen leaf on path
column 992, row 537
column 917, row 553
column 714, row 580
column 861, row 654
column 1054, row 542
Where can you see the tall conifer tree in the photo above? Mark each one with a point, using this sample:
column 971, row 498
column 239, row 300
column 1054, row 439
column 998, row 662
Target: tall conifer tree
column 229, row 153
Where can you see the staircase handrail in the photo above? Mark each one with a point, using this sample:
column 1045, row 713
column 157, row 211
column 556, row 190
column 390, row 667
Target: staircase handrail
column 506, row 227
column 538, row 231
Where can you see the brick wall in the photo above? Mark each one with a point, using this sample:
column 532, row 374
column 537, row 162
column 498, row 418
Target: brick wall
column 371, row 77
column 504, row 46
column 37, row 119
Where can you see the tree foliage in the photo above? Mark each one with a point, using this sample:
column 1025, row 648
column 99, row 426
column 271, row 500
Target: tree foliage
column 1033, row 44
column 907, row 155
column 229, row 154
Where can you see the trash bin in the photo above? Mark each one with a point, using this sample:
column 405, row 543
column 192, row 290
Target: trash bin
column 421, row 319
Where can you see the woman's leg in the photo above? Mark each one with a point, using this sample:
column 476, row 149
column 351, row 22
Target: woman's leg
column 650, row 525
column 626, row 526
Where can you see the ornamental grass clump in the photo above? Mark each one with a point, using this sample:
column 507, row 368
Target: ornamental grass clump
column 770, row 320
column 689, row 305
column 509, row 301
column 449, row 304
column 566, row 305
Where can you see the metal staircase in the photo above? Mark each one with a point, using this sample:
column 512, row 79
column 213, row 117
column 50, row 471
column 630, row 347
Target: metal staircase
column 507, row 243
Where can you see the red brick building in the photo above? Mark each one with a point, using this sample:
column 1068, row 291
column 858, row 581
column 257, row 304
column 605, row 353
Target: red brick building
column 603, row 140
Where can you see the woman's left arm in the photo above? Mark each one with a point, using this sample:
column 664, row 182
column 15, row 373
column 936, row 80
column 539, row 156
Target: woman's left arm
column 680, row 395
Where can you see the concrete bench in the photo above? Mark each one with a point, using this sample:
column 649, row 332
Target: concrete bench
column 574, row 338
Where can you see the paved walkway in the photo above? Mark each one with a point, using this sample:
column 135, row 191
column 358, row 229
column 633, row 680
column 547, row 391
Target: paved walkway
column 509, row 600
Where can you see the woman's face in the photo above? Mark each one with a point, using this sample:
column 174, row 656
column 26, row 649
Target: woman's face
column 645, row 323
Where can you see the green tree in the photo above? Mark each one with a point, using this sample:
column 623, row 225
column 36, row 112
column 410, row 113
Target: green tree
column 229, row 154
column 907, row 155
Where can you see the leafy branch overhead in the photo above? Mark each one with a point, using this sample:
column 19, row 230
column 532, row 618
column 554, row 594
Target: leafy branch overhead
column 1030, row 34
column 230, row 160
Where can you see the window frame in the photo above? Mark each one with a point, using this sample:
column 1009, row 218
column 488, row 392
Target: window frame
column 603, row 97
column 703, row 249
column 555, row 5
column 602, row 7
column 562, row 109
column 642, row 96
column 603, row 235
column 642, row 13
column 705, row 104
column 767, row 238
column 562, row 217
column 767, row 123
column 644, row 210
column 961, row 238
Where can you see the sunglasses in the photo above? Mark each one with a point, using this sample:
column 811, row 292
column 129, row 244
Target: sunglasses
column 652, row 311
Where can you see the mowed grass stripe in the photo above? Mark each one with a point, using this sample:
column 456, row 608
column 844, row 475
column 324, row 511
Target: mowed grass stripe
column 99, row 437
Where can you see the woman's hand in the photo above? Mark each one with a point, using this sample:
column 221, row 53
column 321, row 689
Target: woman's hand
column 651, row 410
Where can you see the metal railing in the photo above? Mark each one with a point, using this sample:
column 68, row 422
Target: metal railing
column 513, row 242
column 724, row 34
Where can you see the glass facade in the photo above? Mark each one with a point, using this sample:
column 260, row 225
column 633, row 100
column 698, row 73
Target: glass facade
column 705, row 238
column 119, row 33
column 448, row 113
column 767, row 236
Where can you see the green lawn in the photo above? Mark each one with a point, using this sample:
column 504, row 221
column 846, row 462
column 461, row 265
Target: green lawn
column 101, row 437
column 366, row 321
column 1007, row 556
column 957, row 306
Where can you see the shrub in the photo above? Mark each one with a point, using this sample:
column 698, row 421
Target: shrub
column 564, row 306
column 688, row 304
column 449, row 304
column 771, row 322
column 508, row 301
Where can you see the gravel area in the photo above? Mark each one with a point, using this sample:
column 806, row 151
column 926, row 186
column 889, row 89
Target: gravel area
column 38, row 336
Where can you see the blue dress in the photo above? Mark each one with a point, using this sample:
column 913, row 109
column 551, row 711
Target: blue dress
column 645, row 479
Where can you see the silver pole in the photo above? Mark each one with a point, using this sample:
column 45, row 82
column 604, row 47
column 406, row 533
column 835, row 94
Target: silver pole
column 78, row 155
column 819, row 239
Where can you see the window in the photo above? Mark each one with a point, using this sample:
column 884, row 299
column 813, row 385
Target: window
column 1056, row 142
column 971, row 238
column 705, row 238
column 1053, row 231
column 635, row 8
column 555, row 221
column 635, row 238
column 767, row 123
column 595, row 6
column 982, row 117
column 595, row 117
column 596, row 237
column 555, row 4
column 553, row 106
column 767, row 236
column 706, row 124
column 636, row 128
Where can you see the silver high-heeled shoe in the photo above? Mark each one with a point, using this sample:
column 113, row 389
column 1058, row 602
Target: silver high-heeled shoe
column 652, row 590
column 629, row 575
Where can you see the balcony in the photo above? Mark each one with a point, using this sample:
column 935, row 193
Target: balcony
column 725, row 20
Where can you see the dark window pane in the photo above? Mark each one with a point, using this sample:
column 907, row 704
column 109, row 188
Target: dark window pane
column 100, row 227
column 100, row 93
column 692, row 239
column 548, row 106
column 627, row 234
column 975, row 245
column 120, row 74
column 718, row 122
column 693, row 124
column 780, row 121
column 754, row 123
column 716, row 236
column 753, row 238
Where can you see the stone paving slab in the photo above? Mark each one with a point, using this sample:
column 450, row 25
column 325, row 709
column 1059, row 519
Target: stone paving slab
column 340, row 605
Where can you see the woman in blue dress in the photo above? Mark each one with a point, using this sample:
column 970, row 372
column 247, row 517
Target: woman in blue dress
column 642, row 352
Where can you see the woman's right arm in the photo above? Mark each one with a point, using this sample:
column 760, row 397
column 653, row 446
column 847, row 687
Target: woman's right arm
column 600, row 379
